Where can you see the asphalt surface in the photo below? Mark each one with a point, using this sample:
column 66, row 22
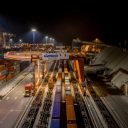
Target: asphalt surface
column 12, row 106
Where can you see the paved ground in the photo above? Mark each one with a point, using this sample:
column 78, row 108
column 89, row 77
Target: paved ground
column 13, row 105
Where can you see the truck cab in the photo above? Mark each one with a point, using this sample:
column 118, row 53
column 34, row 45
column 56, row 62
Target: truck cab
column 28, row 90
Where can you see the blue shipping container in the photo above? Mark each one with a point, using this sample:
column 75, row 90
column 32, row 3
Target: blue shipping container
column 56, row 110
column 55, row 123
column 58, row 89
column 58, row 97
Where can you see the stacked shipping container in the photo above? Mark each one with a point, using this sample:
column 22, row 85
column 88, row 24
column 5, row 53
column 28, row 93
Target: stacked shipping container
column 3, row 72
column 9, row 69
column 55, row 122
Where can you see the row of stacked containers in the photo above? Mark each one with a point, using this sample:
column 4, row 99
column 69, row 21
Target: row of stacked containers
column 8, row 69
column 55, row 122
column 70, row 112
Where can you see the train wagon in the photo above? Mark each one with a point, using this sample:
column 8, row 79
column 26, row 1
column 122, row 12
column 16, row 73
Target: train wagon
column 67, row 92
column 60, row 70
column 69, row 100
column 67, row 87
column 56, row 111
column 58, row 89
column 70, row 112
column 55, row 123
column 71, row 126
column 71, row 118
column 57, row 97
column 58, row 82
column 59, row 76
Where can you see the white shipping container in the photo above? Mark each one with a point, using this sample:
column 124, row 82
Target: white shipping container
column 4, row 72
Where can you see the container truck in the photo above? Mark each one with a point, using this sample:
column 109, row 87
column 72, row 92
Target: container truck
column 28, row 90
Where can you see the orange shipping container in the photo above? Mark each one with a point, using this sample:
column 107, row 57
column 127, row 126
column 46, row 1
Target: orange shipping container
column 71, row 125
column 2, row 77
column 12, row 69
column 71, row 117
column 2, row 67
column 69, row 100
column 60, row 75
column 8, row 64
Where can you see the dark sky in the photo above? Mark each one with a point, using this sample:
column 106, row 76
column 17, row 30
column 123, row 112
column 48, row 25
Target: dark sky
column 67, row 20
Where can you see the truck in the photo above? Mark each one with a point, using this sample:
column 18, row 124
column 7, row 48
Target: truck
column 28, row 90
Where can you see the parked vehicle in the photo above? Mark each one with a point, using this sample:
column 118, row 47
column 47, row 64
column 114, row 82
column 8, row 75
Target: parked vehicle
column 28, row 89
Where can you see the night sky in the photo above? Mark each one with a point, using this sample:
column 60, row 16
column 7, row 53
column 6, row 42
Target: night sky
column 67, row 20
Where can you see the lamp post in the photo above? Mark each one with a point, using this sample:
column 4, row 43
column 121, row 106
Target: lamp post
column 53, row 40
column 20, row 40
column 50, row 39
column 33, row 33
column 10, row 42
column 46, row 37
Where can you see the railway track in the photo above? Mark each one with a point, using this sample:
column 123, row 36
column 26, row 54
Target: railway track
column 82, row 108
column 80, row 103
column 46, row 109
column 111, row 123
column 29, row 117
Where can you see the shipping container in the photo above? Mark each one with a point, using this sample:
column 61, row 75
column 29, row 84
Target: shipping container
column 58, row 97
column 67, row 82
column 67, row 87
column 56, row 110
column 1, row 56
column 58, row 89
column 55, row 123
column 66, row 77
column 4, row 72
column 8, row 63
column 71, row 118
column 63, row 75
column 72, row 125
column 58, row 82
column 2, row 77
column 68, row 92
column 59, row 76
column 11, row 69
column 60, row 70
column 69, row 100
column 2, row 67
